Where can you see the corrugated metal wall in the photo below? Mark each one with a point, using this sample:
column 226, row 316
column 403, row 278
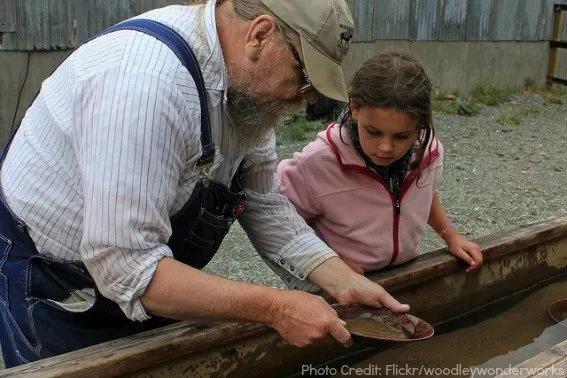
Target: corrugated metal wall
column 453, row 20
column 423, row 20
column 391, row 18
column 60, row 24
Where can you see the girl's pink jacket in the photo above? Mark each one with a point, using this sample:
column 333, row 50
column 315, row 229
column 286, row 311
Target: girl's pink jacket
column 351, row 208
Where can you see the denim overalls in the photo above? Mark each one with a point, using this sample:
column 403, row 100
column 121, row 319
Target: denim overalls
column 32, row 286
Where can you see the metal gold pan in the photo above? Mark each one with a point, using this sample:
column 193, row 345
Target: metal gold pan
column 378, row 324
column 558, row 311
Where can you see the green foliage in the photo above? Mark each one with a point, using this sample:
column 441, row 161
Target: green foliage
column 474, row 108
column 555, row 95
column 296, row 128
column 439, row 94
column 447, row 107
column 488, row 94
column 530, row 111
column 515, row 115
column 560, row 90
column 531, row 85
column 509, row 119
column 445, row 102
column 550, row 98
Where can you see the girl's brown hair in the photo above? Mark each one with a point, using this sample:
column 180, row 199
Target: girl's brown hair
column 395, row 80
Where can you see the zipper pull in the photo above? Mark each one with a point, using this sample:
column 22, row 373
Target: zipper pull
column 398, row 206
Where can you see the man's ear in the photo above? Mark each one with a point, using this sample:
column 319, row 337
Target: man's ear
column 259, row 32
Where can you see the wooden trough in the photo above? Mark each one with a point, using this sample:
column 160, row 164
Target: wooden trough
column 435, row 285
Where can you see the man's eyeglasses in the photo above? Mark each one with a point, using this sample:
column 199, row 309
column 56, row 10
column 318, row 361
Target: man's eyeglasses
column 307, row 87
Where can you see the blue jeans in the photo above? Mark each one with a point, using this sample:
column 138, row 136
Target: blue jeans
column 33, row 288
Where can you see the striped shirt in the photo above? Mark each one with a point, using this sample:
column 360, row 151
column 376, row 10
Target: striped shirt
column 108, row 150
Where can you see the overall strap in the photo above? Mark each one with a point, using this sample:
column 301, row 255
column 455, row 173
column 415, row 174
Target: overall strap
column 182, row 50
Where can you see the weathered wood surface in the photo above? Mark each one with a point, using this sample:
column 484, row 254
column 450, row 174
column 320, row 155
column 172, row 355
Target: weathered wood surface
column 435, row 285
column 549, row 363
column 557, row 35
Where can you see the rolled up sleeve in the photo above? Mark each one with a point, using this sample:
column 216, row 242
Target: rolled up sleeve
column 272, row 223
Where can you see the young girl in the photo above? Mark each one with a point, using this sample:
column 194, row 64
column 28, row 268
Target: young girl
column 368, row 184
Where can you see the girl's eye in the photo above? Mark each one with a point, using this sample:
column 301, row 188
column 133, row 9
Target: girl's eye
column 374, row 132
column 401, row 136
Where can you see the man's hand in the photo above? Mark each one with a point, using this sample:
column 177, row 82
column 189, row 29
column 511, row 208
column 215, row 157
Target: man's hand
column 300, row 318
column 305, row 319
column 347, row 286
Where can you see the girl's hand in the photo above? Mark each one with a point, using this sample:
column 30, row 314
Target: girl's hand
column 465, row 250
column 353, row 265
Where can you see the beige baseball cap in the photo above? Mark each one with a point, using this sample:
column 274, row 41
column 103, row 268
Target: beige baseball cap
column 326, row 28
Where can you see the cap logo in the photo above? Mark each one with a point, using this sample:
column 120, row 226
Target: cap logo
column 344, row 39
column 346, row 36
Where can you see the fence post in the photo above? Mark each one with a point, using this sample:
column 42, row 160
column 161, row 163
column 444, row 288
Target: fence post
column 555, row 44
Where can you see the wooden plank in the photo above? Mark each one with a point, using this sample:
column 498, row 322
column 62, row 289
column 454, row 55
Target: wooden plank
column 557, row 31
column 123, row 355
column 551, row 80
column 557, row 34
column 558, row 44
column 558, row 369
column 438, row 264
column 435, row 284
column 549, row 363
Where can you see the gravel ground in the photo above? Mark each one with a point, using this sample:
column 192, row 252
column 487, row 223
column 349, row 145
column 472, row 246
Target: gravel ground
column 496, row 177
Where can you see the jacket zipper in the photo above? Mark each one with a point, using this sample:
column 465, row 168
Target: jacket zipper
column 397, row 211
column 397, row 204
